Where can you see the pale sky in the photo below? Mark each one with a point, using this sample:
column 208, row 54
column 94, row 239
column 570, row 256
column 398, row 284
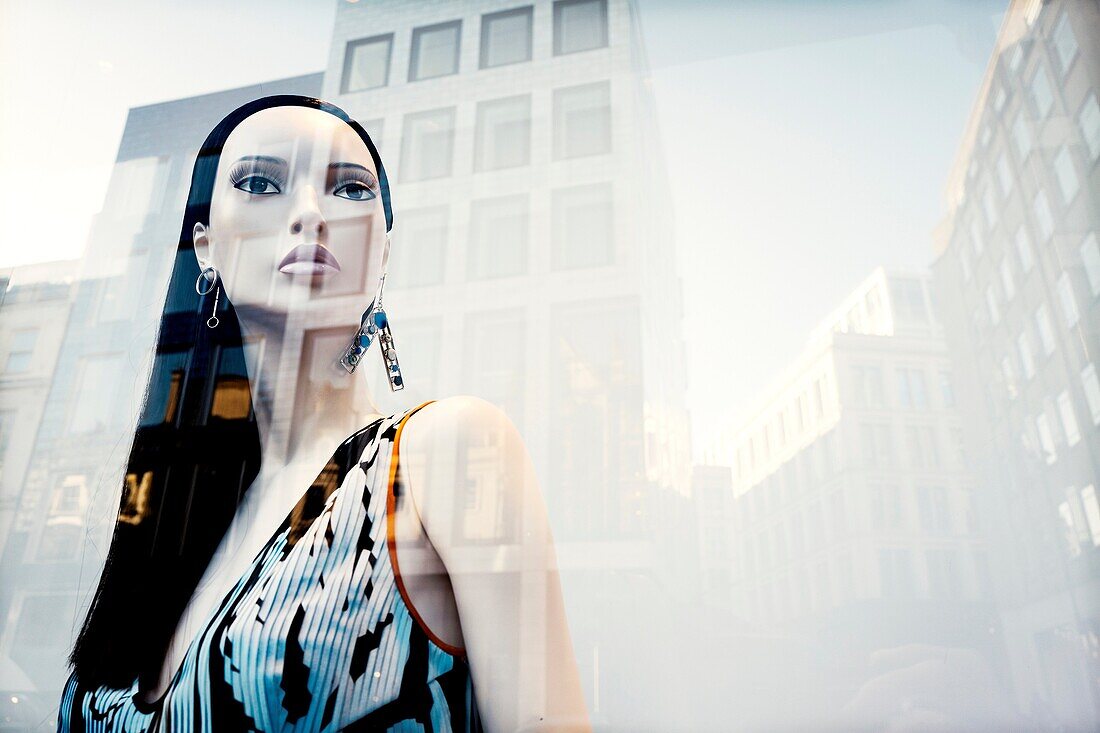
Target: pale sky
column 807, row 141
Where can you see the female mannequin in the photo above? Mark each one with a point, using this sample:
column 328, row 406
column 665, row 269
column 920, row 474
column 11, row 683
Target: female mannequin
column 296, row 203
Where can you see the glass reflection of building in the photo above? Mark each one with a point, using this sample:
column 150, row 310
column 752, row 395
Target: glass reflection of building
column 531, row 267
column 852, row 507
column 1018, row 268
column 92, row 356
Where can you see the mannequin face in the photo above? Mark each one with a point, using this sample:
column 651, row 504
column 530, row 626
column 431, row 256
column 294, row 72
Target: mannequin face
column 296, row 212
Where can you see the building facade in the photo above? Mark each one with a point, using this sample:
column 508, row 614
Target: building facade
column 1018, row 267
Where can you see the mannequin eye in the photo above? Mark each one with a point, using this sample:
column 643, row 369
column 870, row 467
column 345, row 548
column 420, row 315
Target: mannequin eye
column 258, row 185
column 354, row 191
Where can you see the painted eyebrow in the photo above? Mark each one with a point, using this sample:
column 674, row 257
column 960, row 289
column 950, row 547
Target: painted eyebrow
column 263, row 159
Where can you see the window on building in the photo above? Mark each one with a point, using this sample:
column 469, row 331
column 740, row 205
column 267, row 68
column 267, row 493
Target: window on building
column 1043, row 218
column 502, row 138
column 367, row 63
column 1090, row 259
column 1009, row 374
column 896, row 576
column 582, row 120
column 1066, row 174
column 420, row 246
column 435, row 50
column 932, row 509
column 943, row 573
column 1023, row 345
column 908, row 299
column 1088, row 119
column 427, row 144
column 976, row 237
column 1092, row 513
column 1023, row 249
column 1069, row 419
column 7, row 426
column 581, row 227
column 1091, row 386
column 1022, row 136
column 95, row 404
column 579, row 25
column 964, row 263
column 1046, row 438
column 1067, row 301
column 498, row 237
column 868, row 386
column 1065, row 45
column 989, row 207
column 921, row 446
column 21, row 350
column 1007, row 281
column 1046, row 331
column 999, row 99
column 947, row 389
column 911, row 388
column 991, row 303
column 506, row 37
column 1042, row 98
column 1004, row 174
column 877, row 444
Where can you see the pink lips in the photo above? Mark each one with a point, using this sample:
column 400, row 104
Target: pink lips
column 309, row 259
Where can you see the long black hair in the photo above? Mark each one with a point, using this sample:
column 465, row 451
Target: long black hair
column 195, row 451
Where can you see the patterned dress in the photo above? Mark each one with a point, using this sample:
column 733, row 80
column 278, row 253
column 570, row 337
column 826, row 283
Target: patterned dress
column 317, row 635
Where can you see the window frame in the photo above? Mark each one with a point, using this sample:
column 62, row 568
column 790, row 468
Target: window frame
column 414, row 48
column 486, row 21
column 349, row 55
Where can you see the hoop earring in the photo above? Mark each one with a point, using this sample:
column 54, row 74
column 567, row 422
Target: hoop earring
column 212, row 321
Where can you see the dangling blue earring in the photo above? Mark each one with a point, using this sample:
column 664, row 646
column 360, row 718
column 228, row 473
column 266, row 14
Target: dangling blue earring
column 376, row 322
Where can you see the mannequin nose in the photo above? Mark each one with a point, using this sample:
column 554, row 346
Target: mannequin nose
column 307, row 216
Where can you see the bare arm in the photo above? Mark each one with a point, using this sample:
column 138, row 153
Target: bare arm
column 474, row 487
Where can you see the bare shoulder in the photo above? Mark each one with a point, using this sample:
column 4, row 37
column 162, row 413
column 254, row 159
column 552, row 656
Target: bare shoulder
column 440, row 440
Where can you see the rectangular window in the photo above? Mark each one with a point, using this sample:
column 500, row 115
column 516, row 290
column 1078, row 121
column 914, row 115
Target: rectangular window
column 1092, row 512
column 1004, row 174
column 21, row 350
column 1046, row 438
column 1069, row 419
column 991, row 302
column 1065, row 45
column 435, row 50
column 506, row 37
column 896, row 573
column 1010, row 377
column 1007, row 281
column 95, row 405
column 582, row 120
column 1022, row 136
column 1090, row 259
column 1023, row 249
column 427, row 144
column 581, row 227
column 367, row 63
column 1091, row 386
column 989, row 207
column 1088, row 119
column 579, row 25
column 1043, row 217
column 1046, row 331
column 947, row 389
column 502, row 138
column 419, row 250
column 1023, row 345
column 498, row 237
column 1066, row 174
column 964, row 263
column 1067, row 300
column 1042, row 99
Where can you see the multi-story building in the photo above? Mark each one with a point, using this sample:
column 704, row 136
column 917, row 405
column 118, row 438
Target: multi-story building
column 65, row 503
column 1018, row 269
column 852, row 501
column 530, row 266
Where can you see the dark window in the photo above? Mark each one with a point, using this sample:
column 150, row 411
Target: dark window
column 579, row 25
column 435, row 50
column 506, row 37
column 367, row 63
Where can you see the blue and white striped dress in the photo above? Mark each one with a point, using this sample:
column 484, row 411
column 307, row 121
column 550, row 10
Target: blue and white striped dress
column 318, row 634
